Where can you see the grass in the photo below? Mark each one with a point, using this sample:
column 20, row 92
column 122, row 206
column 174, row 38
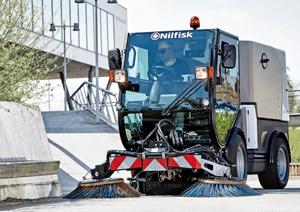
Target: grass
column 294, row 139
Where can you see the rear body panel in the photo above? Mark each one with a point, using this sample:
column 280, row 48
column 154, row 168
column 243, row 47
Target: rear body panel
column 264, row 80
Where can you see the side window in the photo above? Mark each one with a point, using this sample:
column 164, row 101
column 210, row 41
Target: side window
column 227, row 92
column 138, row 60
column 229, row 79
column 228, row 82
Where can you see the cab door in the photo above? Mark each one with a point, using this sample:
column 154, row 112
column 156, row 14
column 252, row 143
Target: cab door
column 227, row 90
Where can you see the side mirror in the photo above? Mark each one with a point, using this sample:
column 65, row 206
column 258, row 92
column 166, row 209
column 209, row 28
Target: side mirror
column 114, row 59
column 228, row 56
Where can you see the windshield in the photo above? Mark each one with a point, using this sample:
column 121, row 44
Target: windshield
column 163, row 65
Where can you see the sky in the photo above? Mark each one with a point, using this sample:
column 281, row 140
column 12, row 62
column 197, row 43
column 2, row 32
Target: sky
column 272, row 22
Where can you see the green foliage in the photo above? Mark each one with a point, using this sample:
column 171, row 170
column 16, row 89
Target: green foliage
column 21, row 65
column 294, row 141
column 224, row 121
column 292, row 98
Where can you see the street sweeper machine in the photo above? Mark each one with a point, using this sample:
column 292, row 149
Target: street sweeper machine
column 199, row 107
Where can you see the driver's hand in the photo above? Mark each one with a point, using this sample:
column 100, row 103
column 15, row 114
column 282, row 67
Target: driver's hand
column 151, row 74
column 160, row 69
column 152, row 77
column 155, row 71
column 164, row 73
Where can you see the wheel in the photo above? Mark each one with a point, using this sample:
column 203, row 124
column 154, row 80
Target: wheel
column 276, row 174
column 236, row 153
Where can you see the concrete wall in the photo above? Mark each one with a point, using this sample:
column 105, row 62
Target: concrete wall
column 22, row 134
column 23, row 145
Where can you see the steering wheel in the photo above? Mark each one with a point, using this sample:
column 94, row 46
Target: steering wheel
column 163, row 73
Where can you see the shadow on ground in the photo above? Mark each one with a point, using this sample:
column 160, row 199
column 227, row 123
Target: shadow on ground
column 279, row 191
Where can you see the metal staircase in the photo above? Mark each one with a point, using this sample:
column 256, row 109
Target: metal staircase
column 84, row 98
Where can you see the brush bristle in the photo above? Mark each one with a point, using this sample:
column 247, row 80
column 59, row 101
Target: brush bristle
column 206, row 189
column 104, row 189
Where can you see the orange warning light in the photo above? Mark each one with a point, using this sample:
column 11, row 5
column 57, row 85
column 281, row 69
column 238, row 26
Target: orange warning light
column 195, row 22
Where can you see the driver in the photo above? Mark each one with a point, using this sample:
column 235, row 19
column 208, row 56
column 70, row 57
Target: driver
column 169, row 69
column 168, row 61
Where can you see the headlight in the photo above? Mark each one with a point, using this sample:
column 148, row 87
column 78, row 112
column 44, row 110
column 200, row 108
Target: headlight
column 202, row 73
column 117, row 76
column 205, row 102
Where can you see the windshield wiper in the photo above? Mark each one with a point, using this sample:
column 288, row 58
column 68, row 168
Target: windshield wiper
column 190, row 90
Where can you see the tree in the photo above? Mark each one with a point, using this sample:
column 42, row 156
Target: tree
column 292, row 99
column 293, row 105
column 22, row 66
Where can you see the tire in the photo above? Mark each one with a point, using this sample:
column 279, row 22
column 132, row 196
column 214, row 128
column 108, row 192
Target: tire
column 236, row 153
column 276, row 174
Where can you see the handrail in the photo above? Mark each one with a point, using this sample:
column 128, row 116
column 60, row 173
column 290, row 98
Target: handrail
column 295, row 169
column 91, row 84
column 84, row 98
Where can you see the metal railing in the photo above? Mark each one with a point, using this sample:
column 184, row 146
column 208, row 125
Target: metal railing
column 84, row 98
column 295, row 169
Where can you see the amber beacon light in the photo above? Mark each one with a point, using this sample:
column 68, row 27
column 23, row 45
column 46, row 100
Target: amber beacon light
column 195, row 22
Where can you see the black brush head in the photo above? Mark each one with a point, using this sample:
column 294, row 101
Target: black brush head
column 103, row 189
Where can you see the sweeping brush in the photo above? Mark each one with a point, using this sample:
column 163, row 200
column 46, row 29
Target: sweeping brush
column 219, row 188
column 110, row 188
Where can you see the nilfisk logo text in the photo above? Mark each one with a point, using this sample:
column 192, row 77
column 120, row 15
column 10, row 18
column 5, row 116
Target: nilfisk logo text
column 170, row 35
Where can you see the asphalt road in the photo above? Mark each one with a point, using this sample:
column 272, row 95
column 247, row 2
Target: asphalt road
column 270, row 200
